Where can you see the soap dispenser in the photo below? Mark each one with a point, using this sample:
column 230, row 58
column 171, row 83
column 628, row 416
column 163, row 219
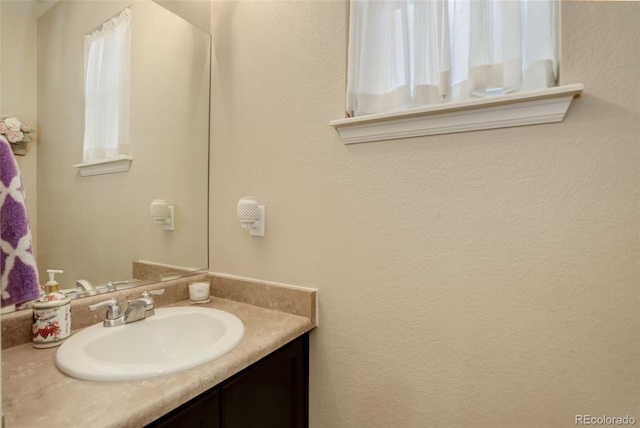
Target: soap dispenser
column 51, row 315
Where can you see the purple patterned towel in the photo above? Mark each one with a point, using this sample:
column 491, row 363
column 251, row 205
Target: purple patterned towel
column 19, row 273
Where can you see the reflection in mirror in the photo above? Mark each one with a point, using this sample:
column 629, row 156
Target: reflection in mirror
column 98, row 228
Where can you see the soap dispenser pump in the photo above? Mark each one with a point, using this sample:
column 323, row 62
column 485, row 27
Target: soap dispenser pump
column 51, row 288
column 51, row 315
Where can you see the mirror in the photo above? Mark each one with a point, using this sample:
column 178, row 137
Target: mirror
column 96, row 228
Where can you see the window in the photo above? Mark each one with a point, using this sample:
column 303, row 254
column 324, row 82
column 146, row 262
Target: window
column 428, row 67
column 414, row 53
column 107, row 75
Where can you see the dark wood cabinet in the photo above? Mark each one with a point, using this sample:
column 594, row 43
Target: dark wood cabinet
column 272, row 393
column 201, row 412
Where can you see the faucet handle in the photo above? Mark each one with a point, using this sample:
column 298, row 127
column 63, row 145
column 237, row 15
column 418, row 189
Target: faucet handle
column 147, row 295
column 152, row 292
column 113, row 310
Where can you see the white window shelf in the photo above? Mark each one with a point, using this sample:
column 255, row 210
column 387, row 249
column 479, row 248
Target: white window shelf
column 525, row 108
column 108, row 166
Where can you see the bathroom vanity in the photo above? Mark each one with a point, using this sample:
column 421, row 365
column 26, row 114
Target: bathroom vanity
column 264, row 378
column 271, row 393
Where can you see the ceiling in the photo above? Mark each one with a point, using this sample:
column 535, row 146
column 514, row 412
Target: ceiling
column 35, row 8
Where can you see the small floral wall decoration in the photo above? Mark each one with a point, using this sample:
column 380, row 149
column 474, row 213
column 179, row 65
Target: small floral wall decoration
column 15, row 132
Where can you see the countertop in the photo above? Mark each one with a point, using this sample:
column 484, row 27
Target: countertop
column 35, row 393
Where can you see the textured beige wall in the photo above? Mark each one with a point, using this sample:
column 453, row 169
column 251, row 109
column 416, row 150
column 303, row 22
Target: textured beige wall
column 18, row 92
column 482, row 279
column 95, row 227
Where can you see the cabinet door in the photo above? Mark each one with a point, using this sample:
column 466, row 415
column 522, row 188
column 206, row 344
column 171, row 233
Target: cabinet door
column 271, row 394
column 201, row 412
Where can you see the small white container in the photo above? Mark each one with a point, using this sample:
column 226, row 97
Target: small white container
column 199, row 292
column 51, row 316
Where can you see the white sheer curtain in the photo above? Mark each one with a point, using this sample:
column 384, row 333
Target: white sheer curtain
column 106, row 128
column 413, row 53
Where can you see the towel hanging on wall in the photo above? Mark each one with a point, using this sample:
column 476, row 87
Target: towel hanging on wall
column 19, row 273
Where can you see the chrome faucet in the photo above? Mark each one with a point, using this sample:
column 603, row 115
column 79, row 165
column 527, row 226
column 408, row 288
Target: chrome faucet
column 137, row 309
column 84, row 285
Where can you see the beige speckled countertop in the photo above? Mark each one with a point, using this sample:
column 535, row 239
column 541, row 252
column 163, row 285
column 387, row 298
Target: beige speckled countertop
column 35, row 393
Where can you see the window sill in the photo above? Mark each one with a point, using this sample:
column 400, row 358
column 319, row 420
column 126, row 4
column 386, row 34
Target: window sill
column 108, row 166
column 525, row 108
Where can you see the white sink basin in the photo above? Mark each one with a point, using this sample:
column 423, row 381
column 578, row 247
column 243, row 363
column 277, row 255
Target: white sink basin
column 173, row 340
